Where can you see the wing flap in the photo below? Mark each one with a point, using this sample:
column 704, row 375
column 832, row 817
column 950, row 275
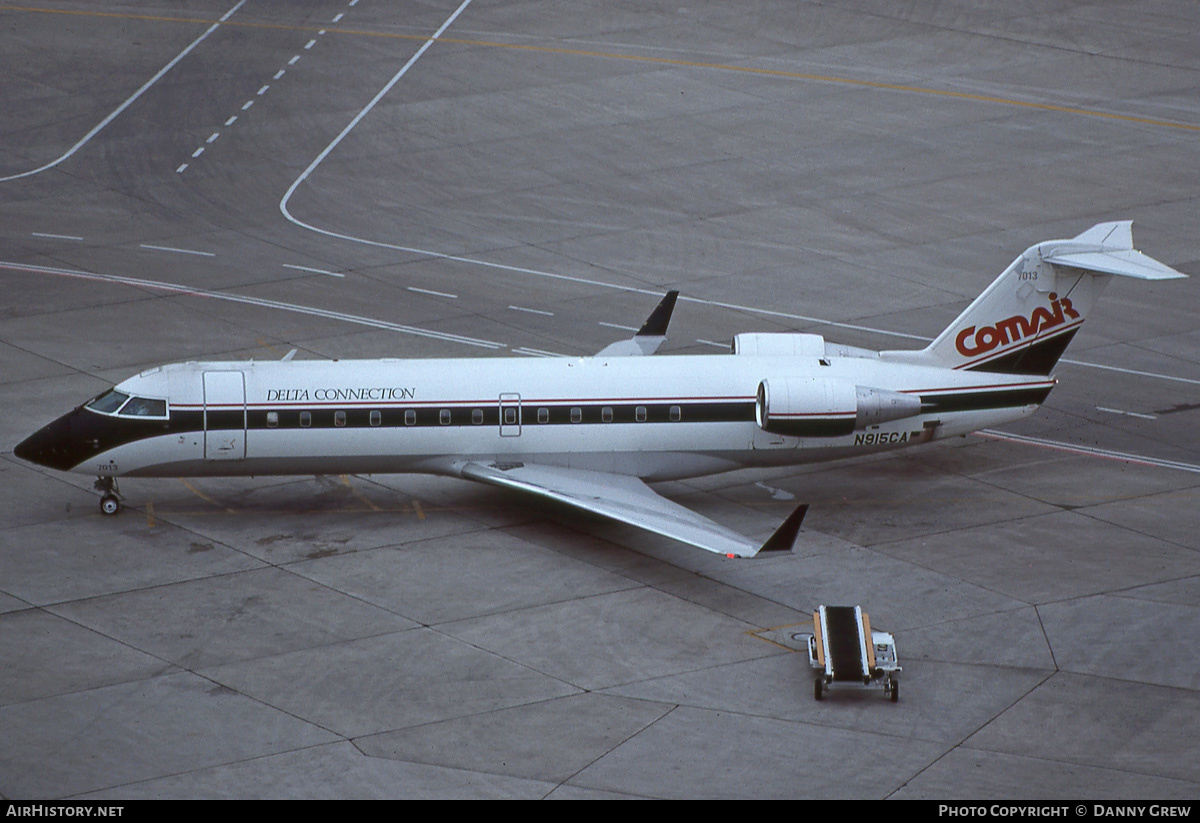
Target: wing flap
column 628, row 500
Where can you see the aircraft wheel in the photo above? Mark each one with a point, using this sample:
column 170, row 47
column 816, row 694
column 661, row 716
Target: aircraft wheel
column 895, row 690
column 109, row 504
column 818, row 689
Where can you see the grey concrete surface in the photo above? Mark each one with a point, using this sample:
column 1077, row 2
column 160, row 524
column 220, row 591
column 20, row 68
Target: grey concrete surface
column 855, row 168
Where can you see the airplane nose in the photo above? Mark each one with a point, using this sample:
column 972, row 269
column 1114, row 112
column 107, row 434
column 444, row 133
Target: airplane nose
column 53, row 446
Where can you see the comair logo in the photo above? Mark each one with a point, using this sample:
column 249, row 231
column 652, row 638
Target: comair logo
column 972, row 343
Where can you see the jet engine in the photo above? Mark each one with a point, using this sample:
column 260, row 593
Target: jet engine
column 821, row 407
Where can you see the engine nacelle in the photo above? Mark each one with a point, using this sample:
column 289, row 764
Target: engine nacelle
column 821, row 407
column 779, row 344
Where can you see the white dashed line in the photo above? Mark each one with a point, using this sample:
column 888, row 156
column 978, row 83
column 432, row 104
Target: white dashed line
column 618, row 326
column 279, row 73
column 314, row 271
column 713, row 343
column 231, row 120
column 213, row 136
column 262, row 91
column 247, row 104
column 1127, row 413
column 181, row 168
column 178, row 251
column 198, row 152
column 337, row 17
column 532, row 311
column 129, row 101
column 434, row 293
column 55, row 236
column 292, row 62
column 311, row 311
column 309, row 44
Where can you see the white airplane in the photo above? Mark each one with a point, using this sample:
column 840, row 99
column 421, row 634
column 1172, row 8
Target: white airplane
column 590, row 432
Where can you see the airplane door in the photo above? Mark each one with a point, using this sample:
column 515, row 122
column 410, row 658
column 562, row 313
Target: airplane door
column 224, row 415
column 510, row 415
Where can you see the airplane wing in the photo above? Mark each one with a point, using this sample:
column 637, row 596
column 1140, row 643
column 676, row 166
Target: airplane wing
column 650, row 336
column 629, row 500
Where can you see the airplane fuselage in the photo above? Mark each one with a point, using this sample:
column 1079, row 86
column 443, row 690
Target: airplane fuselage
column 656, row 418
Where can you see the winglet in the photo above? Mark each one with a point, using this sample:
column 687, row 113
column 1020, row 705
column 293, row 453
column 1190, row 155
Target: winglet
column 785, row 536
column 656, row 323
column 650, row 336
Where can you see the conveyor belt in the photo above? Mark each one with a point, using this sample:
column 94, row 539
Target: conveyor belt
column 845, row 654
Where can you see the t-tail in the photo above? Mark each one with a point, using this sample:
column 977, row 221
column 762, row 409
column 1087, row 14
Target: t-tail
column 1024, row 321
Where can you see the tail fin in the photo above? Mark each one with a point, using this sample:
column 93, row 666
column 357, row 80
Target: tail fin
column 1023, row 322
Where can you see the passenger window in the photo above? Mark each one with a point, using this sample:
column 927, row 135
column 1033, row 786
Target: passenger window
column 606, row 414
column 339, row 418
column 639, row 414
column 676, row 414
column 305, row 419
column 510, row 417
column 272, row 420
column 376, row 417
column 410, row 417
column 108, row 402
column 477, row 416
column 444, row 417
column 543, row 415
column 576, row 414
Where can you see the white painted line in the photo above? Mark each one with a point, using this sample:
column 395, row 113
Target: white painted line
column 538, row 352
column 254, row 301
column 213, row 136
column 292, row 62
column 280, row 73
column 618, row 326
column 198, row 152
column 434, row 293
column 353, row 2
column 231, row 120
column 247, row 104
column 310, row 44
column 56, row 236
column 322, row 31
column 1133, row 371
column 337, row 17
column 314, row 271
column 358, row 117
column 262, row 91
column 532, row 311
column 179, row 251
column 129, row 101
column 724, row 346
column 1127, row 413
column 1089, row 451
column 181, row 168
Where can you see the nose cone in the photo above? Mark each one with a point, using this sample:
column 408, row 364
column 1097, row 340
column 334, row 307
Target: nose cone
column 56, row 446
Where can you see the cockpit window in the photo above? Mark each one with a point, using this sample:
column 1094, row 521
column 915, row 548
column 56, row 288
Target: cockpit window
column 108, row 402
column 144, row 407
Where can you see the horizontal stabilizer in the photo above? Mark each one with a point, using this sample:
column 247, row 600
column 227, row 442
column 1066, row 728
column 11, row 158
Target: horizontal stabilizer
column 1126, row 262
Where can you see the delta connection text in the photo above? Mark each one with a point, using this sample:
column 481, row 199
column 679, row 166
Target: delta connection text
column 364, row 393
column 1079, row 810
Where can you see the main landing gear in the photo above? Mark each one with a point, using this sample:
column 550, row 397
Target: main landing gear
column 110, row 501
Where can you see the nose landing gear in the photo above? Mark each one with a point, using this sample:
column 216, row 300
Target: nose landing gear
column 110, row 501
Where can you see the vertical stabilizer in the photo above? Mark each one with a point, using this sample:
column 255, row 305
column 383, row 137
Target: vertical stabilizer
column 1024, row 320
